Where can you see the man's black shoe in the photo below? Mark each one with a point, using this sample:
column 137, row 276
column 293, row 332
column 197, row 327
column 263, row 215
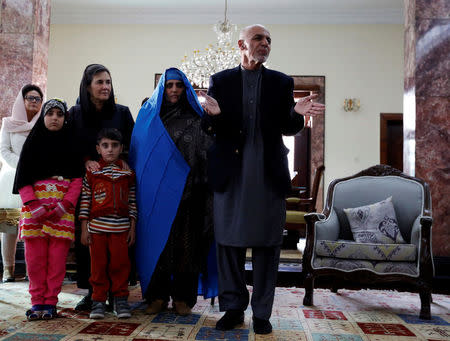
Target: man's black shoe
column 261, row 326
column 230, row 320
column 84, row 304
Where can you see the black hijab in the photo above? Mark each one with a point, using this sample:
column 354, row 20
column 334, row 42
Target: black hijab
column 48, row 153
column 91, row 116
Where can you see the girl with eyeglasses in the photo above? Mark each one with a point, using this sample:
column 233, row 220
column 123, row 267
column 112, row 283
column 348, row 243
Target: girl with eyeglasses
column 14, row 132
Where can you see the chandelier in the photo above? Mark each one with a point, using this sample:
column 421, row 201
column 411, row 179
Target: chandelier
column 216, row 57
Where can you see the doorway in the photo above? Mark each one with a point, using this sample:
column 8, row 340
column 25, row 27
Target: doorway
column 391, row 140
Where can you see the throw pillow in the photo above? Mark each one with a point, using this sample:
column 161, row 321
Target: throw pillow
column 375, row 223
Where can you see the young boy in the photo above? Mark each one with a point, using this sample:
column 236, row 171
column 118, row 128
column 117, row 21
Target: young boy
column 108, row 218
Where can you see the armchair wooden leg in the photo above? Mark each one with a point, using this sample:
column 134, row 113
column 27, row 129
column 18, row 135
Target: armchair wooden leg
column 425, row 302
column 309, row 290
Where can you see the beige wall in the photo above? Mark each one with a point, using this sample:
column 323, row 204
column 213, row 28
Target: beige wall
column 363, row 61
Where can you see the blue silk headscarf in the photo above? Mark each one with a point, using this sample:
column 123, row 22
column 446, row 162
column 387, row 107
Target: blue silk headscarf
column 161, row 174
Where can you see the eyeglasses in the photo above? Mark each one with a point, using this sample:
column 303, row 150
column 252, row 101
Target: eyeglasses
column 36, row 99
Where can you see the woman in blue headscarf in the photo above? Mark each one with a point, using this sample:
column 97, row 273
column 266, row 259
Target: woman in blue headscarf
column 174, row 228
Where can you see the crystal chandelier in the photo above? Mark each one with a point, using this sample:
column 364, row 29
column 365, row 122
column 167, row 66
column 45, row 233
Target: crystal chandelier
column 216, row 57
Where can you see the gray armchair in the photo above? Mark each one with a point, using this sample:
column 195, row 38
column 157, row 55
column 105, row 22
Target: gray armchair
column 331, row 250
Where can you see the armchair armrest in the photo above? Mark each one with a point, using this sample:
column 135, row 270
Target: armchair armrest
column 415, row 232
column 311, row 220
column 421, row 227
column 328, row 228
column 426, row 221
column 317, row 216
column 426, row 266
column 318, row 226
column 421, row 237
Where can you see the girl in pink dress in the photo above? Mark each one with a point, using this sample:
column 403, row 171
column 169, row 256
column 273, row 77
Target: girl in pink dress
column 48, row 179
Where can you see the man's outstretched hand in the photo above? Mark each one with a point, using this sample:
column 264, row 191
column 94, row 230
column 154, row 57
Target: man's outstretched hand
column 210, row 105
column 306, row 106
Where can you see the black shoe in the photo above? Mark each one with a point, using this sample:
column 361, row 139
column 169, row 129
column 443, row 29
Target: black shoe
column 84, row 304
column 230, row 320
column 261, row 326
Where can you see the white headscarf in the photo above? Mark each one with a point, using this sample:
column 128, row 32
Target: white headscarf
column 18, row 121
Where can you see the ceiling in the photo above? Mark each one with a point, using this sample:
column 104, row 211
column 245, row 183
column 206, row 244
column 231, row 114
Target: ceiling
column 239, row 11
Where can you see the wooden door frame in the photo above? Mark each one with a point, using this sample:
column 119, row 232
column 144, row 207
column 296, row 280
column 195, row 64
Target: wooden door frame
column 315, row 84
column 385, row 118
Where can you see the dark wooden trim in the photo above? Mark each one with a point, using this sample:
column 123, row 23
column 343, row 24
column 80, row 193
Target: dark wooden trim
column 379, row 170
column 314, row 84
column 384, row 119
column 306, row 87
column 157, row 77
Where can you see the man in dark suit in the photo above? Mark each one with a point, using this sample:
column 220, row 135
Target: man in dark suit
column 248, row 109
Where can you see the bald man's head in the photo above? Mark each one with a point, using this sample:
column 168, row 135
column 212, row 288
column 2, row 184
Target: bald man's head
column 246, row 29
column 254, row 45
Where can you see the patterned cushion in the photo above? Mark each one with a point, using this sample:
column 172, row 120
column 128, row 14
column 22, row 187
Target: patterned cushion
column 346, row 249
column 375, row 223
column 377, row 267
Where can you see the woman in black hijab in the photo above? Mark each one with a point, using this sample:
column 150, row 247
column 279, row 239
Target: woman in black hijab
column 48, row 152
column 96, row 110
column 48, row 179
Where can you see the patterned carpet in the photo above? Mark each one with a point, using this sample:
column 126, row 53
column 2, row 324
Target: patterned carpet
column 350, row 316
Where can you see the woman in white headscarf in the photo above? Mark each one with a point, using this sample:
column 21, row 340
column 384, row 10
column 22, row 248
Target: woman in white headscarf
column 14, row 132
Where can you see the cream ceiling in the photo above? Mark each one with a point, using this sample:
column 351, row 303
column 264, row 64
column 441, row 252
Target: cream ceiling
column 239, row 11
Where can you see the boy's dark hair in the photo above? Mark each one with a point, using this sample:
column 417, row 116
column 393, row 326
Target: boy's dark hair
column 109, row 133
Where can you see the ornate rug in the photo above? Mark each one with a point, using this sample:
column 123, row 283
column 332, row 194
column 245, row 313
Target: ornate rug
column 348, row 316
